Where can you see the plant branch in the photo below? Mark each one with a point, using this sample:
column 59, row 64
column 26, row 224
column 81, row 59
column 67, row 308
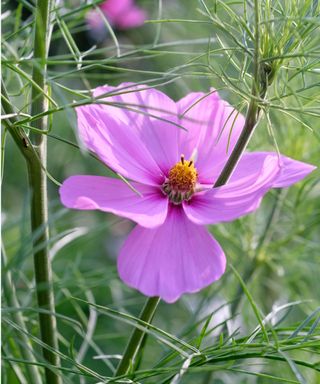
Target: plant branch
column 258, row 91
column 261, row 81
column 41, row 46
column 38, row 186
column 34, row 151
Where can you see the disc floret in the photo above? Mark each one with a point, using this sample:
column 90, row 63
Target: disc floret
column 181, row 181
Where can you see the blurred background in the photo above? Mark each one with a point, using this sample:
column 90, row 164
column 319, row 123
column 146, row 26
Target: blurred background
column 275, row 250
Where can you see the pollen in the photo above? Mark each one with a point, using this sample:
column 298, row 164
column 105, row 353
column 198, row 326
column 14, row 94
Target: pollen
column 181, row 181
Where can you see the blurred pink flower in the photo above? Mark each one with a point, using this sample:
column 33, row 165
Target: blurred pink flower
column 121, row 14
column 170, row 252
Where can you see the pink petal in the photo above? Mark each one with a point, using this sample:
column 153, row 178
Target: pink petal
column 123, row 14
column 135, row 17
column 114, row 8
column 117, row 144
column 176, row 258
column 160, row 137
column 255, row 174
column 292, row 171
column 113, row 195
column 213, row 129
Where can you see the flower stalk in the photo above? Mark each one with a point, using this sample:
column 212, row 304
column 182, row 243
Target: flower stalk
column 38, row 186
column 258, row 92
column 34, row 150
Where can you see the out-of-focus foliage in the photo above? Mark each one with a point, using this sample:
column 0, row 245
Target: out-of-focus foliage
column 186, row 45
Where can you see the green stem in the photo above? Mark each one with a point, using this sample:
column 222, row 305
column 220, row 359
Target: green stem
column 35, row 154
column 42, row 266
column 259, row 89
column 261, row 81
column 38, row 186
column 41, row 46
column 12, row 301
column 136, row 338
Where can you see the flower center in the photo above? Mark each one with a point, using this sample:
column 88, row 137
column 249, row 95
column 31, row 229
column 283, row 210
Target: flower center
column 181, row 181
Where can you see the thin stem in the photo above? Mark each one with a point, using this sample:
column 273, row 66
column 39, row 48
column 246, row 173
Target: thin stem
column 38, row 186
column 26, row 346
column 136, row 338
column 35, row 157
column 42, row 266
column 41, row 45
column 35, row 153
column 259, row 89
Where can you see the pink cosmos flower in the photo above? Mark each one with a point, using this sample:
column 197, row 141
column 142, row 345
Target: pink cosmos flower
column 121, row 14
column 172, row 171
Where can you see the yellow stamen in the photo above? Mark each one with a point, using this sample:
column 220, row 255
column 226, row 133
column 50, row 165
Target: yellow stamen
column 181, row 181
column 183, row 176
